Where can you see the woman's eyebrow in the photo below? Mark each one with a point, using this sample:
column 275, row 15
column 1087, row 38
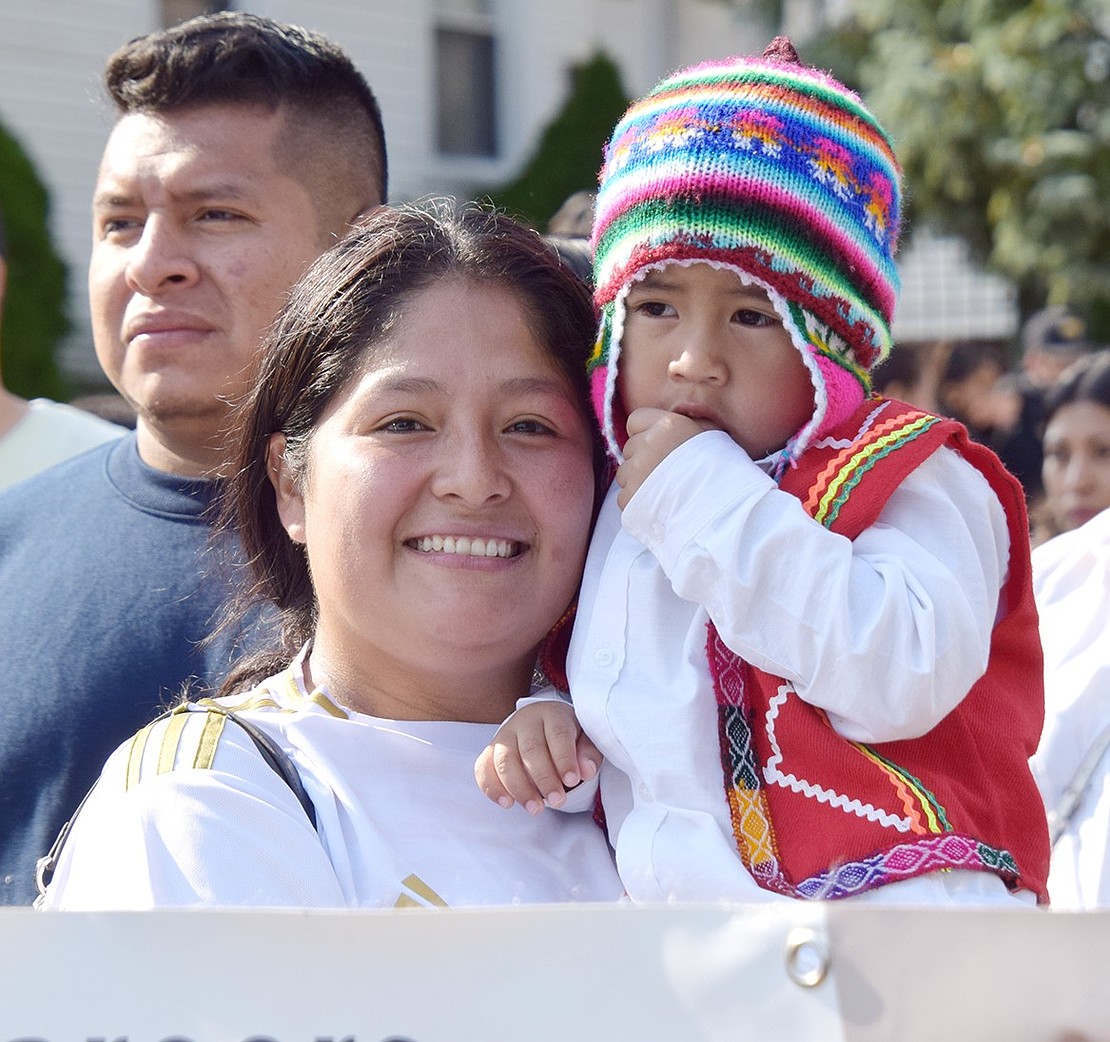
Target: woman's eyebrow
column 548, row 386
column 545, row 385
column 411, row 385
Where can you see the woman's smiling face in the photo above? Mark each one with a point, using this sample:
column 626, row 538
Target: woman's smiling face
column 446, row 499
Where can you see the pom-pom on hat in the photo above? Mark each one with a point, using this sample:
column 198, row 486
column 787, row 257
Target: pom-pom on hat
column 777, row 171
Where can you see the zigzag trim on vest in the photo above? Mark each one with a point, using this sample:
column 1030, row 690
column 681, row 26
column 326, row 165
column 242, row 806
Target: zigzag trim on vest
column 774, row 776
column 758, row 849
column 835, row 483
column 923, row 813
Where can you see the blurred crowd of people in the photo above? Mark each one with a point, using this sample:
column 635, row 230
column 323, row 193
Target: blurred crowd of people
column 1048, row 419
column 1047, row 416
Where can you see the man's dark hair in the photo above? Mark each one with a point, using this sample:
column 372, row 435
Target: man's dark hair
column 3, row 239
column 1056, row 330
column 236, row 58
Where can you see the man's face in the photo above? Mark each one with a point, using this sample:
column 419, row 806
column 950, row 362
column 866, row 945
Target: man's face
column 198, row 234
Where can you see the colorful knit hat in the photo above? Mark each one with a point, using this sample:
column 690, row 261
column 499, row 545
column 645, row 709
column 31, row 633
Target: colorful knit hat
column 777, row 171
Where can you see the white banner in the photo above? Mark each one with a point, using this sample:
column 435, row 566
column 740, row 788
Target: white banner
column 564, row 974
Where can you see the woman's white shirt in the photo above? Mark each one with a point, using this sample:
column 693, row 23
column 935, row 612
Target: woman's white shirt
column 400, row 820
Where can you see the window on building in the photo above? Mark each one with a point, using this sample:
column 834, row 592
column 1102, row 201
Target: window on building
column 174, row 11
column 466, row 84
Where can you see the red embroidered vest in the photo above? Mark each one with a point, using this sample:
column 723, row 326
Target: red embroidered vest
column 818, row 816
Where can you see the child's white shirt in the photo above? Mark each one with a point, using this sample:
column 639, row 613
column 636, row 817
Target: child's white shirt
column 886, row 633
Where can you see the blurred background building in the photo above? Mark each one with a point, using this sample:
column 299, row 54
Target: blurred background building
column 468, row 89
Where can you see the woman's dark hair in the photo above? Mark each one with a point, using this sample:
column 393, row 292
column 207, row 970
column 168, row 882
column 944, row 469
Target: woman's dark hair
column 1087, row 380
column 346, row 303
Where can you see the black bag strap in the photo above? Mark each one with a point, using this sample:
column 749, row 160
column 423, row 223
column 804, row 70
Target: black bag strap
column 1060, row 816
column 276, row 757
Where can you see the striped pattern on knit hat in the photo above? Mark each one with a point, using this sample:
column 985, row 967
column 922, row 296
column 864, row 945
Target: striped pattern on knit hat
column 769, row 167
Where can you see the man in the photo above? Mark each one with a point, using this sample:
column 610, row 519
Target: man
column 38, row 433
column 242, row 149
column 1051, row 340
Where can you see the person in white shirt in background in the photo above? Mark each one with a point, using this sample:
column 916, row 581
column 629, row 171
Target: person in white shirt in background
column 38, row 433
column 1071, row 582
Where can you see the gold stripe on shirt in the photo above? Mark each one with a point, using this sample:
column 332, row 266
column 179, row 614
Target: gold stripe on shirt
column 209, row 739
column 421, row 889
column 135, row 757
column 167, row 754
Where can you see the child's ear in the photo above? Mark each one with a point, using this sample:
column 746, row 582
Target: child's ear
column 287, row 494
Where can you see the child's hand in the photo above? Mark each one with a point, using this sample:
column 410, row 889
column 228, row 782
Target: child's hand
column 536, row 755
column 653, row 434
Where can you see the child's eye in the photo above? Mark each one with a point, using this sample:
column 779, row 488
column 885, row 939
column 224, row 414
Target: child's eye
column 757, row 319
column 654, row 309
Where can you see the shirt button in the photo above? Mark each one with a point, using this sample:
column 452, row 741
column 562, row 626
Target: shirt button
column 603, row 657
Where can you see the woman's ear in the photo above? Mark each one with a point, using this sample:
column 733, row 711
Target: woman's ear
column 287, row 493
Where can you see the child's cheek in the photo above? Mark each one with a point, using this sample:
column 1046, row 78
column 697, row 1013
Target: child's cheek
column 639, row 383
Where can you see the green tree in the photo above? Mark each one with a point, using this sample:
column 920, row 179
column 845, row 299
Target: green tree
column 1000, row 111
column 568, row 156
column 34, row 319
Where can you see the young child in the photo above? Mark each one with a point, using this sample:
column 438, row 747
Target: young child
column 805, row 643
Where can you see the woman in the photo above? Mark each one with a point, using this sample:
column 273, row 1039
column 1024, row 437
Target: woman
column 415, row 481
column 1071, row 581
column 1076, row 441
